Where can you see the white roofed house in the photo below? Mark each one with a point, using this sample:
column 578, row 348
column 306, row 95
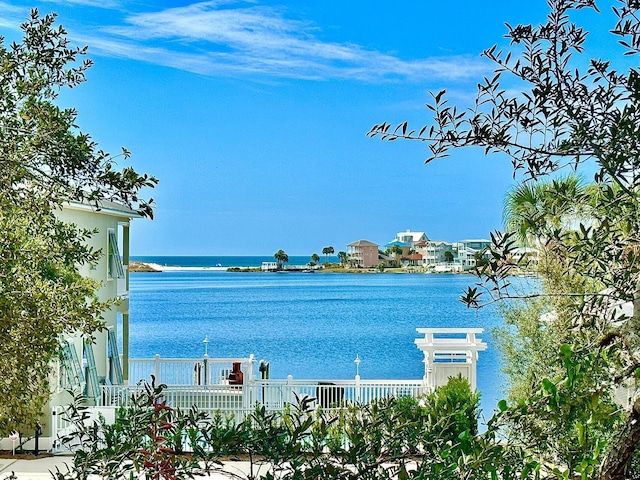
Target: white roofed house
column 411, row 238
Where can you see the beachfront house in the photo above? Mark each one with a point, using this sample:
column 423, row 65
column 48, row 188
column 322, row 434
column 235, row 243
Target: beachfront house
column 412, row 260
column 467, row 250
column 433, row 252
column 86, row 367
column 398, row 249
column 411, row 238
column 362, row 254
column 474, row 244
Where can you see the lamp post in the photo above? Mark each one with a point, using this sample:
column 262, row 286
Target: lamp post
column 206, row 358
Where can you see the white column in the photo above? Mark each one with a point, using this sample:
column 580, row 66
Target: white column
column 156, row 368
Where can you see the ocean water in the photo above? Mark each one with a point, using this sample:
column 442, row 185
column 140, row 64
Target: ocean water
column 307, row 325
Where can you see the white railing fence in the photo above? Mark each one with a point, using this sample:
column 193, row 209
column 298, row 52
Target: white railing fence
column 188, row 371
column 237, row 402
column 61, row 426
column 205, row 382
column 274, row 395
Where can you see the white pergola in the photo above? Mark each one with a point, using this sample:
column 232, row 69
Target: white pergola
column 449, row 352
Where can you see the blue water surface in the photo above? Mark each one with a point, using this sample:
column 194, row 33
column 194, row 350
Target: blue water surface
column 307, row 325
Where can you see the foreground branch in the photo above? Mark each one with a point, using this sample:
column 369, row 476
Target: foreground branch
column 616, row 463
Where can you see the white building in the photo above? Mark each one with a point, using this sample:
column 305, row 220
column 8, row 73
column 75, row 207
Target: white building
column 433, row 252
column 88, row 366
column 411, row 238
column 466, row 251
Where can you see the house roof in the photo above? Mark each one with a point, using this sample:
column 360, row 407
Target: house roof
column 398, row 243
column 414, row 256
column 103, row 206
column 415, row 236
column 362, row 243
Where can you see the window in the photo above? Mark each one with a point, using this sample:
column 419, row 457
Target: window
column 116, row 269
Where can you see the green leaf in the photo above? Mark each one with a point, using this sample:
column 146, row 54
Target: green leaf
column 565, row 350
column 548, row 385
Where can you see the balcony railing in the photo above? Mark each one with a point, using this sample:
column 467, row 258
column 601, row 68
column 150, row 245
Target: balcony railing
column 121, row 283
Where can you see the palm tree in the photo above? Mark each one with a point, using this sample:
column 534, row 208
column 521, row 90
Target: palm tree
column 542, row 215
column 315, row 258
column 281, row 257
column 342, row 256
column 396, row 251
column 534, row 210
column 326, row 251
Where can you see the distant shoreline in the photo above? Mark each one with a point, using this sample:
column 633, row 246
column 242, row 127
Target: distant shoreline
column 135, row 266
column 150, row 267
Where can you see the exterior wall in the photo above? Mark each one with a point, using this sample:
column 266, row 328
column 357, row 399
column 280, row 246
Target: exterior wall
column 104, row 221
column 370, row 256
column 363, row 254
column 479, row 244
column 116, row 219
column 466, row 258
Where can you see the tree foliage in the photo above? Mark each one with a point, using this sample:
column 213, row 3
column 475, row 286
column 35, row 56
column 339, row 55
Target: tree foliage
column 432, row 437
column 448, row 256
column 281, row 258
column 549, row 106
column 46, row 161
column 533, row 211
column 326, row 251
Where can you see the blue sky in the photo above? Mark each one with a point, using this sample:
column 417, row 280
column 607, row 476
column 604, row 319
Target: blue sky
column 253, row 115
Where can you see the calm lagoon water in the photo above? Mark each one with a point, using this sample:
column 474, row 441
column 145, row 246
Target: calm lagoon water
column 306, row 325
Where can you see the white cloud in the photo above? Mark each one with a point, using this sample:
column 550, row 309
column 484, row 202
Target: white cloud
column 239, row 38
column 109, row 4
column 222, row 37
column 11, row 17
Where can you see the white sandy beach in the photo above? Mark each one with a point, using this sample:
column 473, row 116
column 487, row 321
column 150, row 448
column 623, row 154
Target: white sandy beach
column 169, row 268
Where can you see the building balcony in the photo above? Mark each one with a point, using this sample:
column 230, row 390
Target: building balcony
column 122, row 283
